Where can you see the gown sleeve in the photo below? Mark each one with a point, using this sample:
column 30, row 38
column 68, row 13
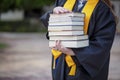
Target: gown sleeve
column 93, row 57
column 45, row 17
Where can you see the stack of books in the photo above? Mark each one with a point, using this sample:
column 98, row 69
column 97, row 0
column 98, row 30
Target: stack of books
column 69, row 28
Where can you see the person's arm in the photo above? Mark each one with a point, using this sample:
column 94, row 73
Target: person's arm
column 45, row 18
column 93, row 57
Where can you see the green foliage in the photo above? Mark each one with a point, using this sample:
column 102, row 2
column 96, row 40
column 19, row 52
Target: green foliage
column 23, row 4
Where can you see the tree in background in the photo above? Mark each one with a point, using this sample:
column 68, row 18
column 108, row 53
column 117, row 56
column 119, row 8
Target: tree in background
column 23, row 4
column 32, row 9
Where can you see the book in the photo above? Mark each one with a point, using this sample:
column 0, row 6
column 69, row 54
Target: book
column 62, row 28
column 82, row 37
column 69, row 28
column 68, row 19
column 67, row 15
column 66, row 23
column 71, row 44
column 53, row 33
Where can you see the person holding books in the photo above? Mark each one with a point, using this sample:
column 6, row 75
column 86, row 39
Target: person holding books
column 92, row 62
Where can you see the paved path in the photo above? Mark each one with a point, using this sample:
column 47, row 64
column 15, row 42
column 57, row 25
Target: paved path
column 28, row 57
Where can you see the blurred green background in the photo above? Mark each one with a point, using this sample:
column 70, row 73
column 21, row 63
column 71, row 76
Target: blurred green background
column 32, row 10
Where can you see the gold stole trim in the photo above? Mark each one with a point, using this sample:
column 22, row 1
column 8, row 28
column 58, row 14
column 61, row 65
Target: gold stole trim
column 69, row 4
column 88, row 10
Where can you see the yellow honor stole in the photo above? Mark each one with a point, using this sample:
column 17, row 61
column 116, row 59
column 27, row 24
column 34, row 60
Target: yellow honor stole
column 88, row 10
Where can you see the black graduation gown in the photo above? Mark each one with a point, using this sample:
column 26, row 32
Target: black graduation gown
column 92, row 61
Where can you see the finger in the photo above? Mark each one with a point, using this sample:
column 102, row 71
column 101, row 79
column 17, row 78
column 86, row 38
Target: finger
column 62, row 48
column 56, row 11
column 59, row 42
column 54, row 48
column 61, row 11
column 58, row 45
column 66, row 10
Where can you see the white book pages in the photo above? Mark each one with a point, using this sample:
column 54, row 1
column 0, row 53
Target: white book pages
column 71, row 44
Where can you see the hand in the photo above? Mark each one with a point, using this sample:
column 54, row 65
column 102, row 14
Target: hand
column 60, row 10
column 63, row 49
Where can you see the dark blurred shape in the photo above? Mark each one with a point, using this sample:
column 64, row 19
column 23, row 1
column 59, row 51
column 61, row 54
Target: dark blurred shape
column 33, row 13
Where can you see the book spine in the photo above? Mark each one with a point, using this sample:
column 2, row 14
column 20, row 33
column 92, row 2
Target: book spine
column 67, row 23
column 66, row 19
column 67, row 15
column 62, row 28
column 82, row 37
column 66, row 33
column 71, row 44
